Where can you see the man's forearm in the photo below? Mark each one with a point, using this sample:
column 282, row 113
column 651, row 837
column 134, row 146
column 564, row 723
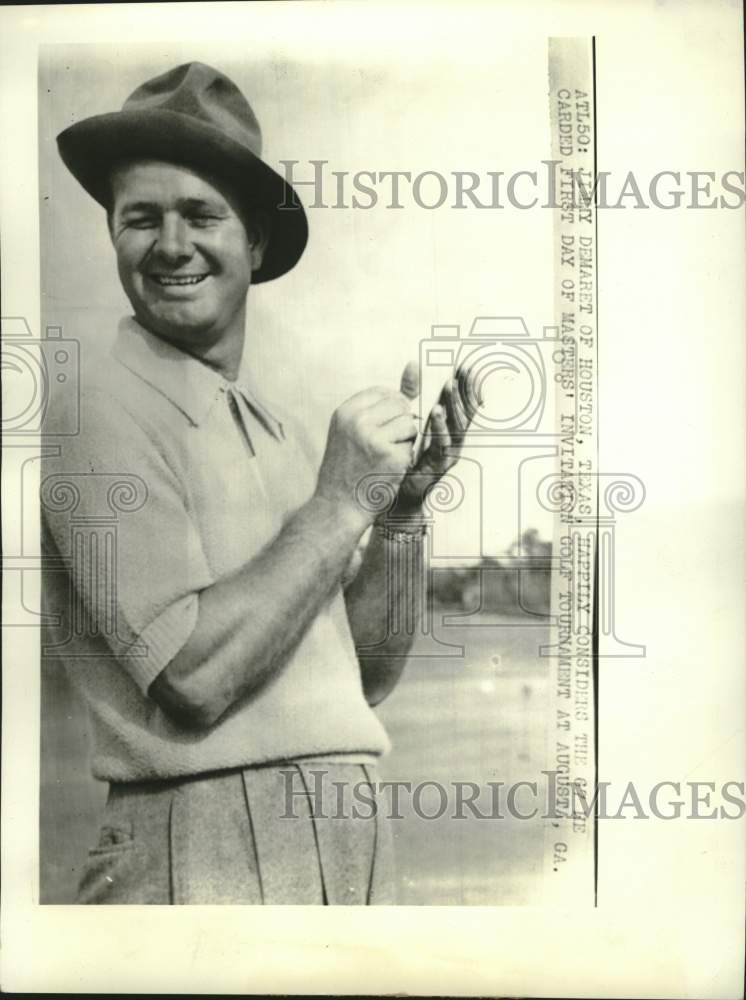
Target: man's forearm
column 384, row 606
column 250, row 621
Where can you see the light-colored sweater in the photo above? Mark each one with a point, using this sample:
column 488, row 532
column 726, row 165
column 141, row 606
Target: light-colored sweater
column 174, row 481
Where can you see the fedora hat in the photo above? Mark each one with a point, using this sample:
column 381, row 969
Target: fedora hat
column 193, row 116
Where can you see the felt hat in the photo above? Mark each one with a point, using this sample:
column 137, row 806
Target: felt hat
column 193, row 116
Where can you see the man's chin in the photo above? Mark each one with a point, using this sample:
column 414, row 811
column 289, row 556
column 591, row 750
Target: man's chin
column 178, row 328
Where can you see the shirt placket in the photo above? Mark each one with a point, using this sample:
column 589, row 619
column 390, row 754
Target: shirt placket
column 238, row 410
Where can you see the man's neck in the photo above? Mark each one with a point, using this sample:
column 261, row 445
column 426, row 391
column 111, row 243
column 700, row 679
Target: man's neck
column 223, row 355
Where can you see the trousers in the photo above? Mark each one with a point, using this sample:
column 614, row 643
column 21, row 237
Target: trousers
column 303, row 833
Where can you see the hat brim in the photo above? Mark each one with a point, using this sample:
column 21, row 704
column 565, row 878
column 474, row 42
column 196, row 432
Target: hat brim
column 90, row 148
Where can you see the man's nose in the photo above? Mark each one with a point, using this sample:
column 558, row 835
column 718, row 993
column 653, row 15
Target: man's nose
column 173, row 243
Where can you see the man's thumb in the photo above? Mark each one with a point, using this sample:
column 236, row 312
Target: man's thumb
column 410, row 380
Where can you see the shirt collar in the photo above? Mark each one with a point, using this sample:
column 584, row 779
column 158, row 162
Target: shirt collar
column 190, row 385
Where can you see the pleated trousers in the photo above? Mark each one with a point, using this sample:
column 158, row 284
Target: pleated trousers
column 308, row 832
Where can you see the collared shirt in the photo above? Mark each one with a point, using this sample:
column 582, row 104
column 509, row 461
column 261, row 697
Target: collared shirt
column 176, row 479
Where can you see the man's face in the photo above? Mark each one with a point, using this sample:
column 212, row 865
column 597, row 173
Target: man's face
column 183, row 254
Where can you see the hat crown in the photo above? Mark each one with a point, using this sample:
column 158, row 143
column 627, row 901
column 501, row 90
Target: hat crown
column 202, row 93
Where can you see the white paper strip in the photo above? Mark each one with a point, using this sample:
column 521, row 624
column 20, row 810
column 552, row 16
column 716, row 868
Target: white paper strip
column 570, row 844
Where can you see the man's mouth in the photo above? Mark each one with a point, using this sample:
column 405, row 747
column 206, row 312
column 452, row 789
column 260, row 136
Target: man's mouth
column 167, row 280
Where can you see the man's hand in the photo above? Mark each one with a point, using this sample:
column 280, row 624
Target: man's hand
column 377, row 596
column 372, row 432
column 447, row 426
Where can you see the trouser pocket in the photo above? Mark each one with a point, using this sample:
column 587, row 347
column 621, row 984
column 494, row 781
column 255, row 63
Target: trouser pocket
column 110, row 872
column 131, row 863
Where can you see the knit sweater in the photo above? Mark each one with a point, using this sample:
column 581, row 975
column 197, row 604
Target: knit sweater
column 175, row 479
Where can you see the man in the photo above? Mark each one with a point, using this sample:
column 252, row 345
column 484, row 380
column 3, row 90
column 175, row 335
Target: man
column 214, row 634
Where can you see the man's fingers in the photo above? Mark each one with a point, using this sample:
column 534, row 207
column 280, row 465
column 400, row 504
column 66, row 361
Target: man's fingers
column 455, row 418
column 441, row 438
column 410, row 380
column 389, row 408
column 470, row 392
column 401, row 428
column 366, row 398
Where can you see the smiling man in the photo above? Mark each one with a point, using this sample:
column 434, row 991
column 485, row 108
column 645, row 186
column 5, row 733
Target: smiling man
column 215, row 644
column 190, row 292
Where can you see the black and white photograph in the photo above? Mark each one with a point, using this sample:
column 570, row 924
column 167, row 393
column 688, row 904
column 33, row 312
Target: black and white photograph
column 318, row 599
column 373, row 521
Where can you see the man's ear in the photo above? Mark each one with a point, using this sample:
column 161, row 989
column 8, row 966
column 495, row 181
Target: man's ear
column 110, row 198
column 259, row 234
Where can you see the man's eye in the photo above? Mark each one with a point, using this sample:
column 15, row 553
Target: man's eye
column 203, row 220
column 141, row 223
